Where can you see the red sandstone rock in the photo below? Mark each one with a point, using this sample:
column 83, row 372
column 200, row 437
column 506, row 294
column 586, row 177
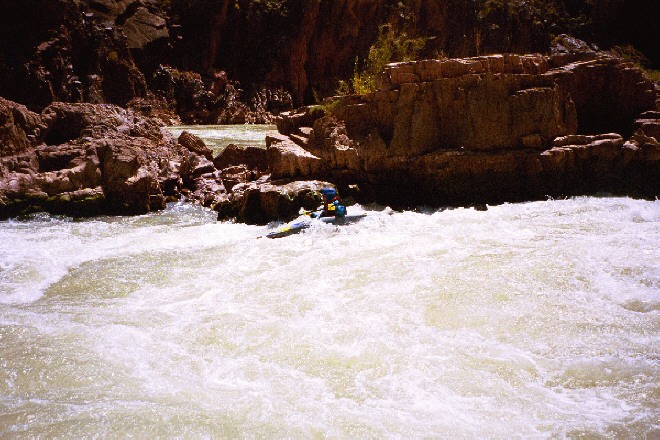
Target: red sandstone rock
column 195, row 144
column 95, row 159
column 286, row 159
column 481, row 130
column 18, row 128
column 261, row 202
column 252, row 157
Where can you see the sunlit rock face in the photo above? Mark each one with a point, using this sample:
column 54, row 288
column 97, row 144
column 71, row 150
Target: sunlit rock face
column 481, row 129
column 84, row 159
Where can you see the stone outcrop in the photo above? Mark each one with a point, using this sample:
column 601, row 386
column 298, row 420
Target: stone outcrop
column 118, row 52
column 259, row 202
column 483, row 129
column 143, row 28
column 253, row 157
column 276, row 52
column 450, row 130
column 587, row 164
column 85, row 159
column 58, row 50
column 478, row 130
column 216, row 100
column 19, row 127
column 484, row 103
column 201, row 182
column 91, row 159
column 195, row 144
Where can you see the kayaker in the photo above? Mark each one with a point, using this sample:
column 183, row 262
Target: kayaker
column 331, row 204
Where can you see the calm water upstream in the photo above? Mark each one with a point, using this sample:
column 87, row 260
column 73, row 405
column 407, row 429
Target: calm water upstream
column 527, row 320
column 217, row 137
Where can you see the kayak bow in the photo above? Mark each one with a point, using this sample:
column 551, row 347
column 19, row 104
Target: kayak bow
column 299, row 226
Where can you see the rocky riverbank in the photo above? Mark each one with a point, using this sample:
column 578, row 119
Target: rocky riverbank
column 91, row 159
column 437, row 132
column 483, row 130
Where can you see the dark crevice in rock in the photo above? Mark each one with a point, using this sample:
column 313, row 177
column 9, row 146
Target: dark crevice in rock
column 64, row 130
column 128, row 13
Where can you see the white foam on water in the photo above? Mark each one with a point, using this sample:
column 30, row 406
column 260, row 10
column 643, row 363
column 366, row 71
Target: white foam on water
column 533, row 320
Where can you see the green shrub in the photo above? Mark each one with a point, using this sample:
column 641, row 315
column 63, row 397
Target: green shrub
column 653, row 74
column 391, row 46
column 636, row 57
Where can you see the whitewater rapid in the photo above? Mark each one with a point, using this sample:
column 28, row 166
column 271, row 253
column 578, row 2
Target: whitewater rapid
column 526, row 320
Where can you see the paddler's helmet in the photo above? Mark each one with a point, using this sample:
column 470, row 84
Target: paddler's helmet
column 329, row 193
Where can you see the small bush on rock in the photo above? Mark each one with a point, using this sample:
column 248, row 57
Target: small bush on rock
column 391, row 46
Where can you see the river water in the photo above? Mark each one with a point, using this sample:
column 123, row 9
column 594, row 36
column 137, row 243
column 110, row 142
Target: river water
column 217, row 137
column 526, row 320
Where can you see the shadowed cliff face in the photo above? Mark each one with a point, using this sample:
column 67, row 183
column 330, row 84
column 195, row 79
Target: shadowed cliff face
column 111, row 50
column 307, row 46
column 301, row 45
column 59, row 50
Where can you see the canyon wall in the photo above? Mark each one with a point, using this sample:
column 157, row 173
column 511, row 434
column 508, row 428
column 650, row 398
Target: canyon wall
column 306, row 46
column 118, row 51
column 481, row 128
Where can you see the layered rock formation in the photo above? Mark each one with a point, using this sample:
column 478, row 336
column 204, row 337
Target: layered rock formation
column 83, row 159
column 117, row 51
column 439, row 131
column 453, row 131
column 482, row 129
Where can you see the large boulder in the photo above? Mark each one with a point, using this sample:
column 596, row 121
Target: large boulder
column 202, row 183
column 253, row 157
column 262, row 202
column 195, row 144
column 287, row 159
column 330, row 141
